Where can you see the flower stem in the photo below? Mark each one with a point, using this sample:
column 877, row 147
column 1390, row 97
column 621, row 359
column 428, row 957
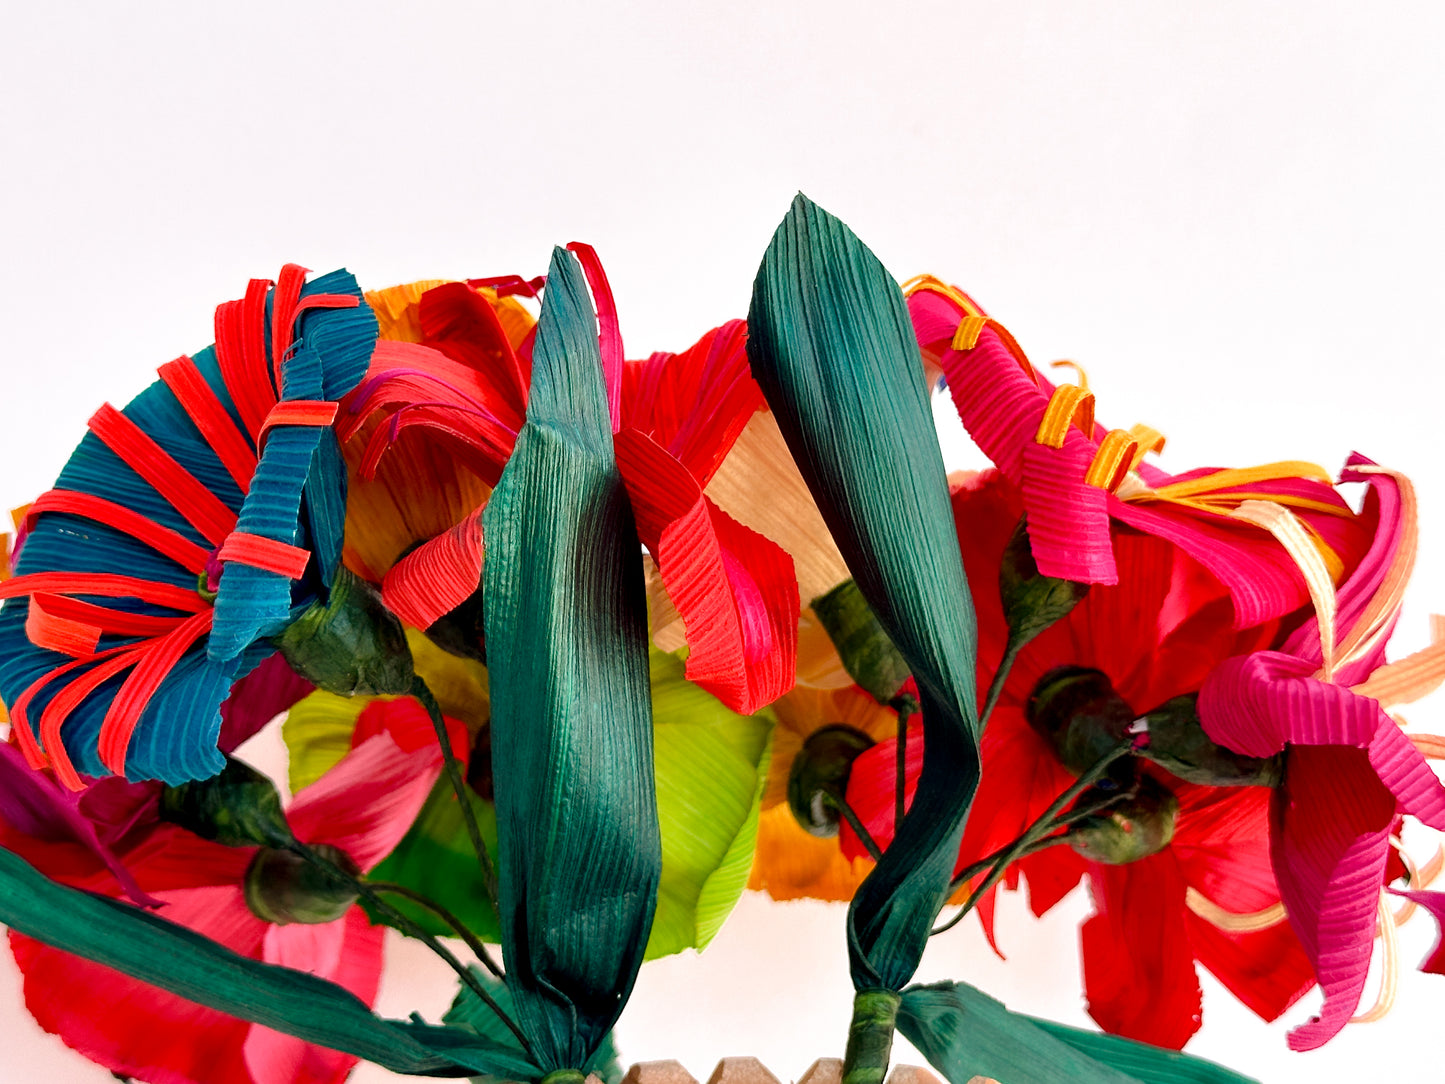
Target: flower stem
column 470, row 939
column 1049, row 821
column 906, row 706
column 1000, row 678
column 423, row 693
column 859, row 828
column 407, row 926
column 870, row 1036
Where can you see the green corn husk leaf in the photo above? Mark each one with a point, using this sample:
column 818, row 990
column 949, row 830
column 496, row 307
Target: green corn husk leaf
column 470, row 1012
column 566, row 630
column 832, row 346
column 965, row 1033
column 147, row 947
column 712, row 766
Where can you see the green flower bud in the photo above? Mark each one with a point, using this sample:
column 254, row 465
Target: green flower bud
column 237, row 808
column 1178, row 744
column 866, row 650
column 350, row 644
column 1081, row 716
column 282, row 887
column 1133, row 828
column 819, row 777
column 1031, row 602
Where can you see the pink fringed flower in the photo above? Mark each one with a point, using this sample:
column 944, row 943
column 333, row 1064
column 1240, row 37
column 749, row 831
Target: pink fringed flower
column 362, row 807
column 1076, row 477
column 1349, row 769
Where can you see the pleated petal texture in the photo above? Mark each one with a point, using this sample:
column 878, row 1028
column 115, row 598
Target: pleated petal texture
column 183, row 531
column 565, row 619
column 833, row 348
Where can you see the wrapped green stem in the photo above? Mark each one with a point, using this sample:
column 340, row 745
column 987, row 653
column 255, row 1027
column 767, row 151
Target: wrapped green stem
column 870, row 1036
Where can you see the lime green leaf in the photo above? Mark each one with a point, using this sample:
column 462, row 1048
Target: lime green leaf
column 147, row 947
column 566, row 633
column 965, row 1033
column 712, row 765
column 470, row 1012
column 317, row 732
column 832, row 346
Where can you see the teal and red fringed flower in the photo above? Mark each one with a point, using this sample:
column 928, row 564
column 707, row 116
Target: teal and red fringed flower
column 183, row 532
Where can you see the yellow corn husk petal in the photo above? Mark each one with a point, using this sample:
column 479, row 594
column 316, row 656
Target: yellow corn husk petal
column 317, row 732
column 819, row 665
column 396, row 309
column 759, row 485
column 459, row 685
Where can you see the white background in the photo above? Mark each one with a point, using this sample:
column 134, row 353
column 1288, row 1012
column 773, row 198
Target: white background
column 1229, row 213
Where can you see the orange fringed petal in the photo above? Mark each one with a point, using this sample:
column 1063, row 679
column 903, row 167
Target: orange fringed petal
column 438, row 576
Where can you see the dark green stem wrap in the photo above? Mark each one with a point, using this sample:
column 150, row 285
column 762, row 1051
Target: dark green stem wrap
column 870, row 1036
column 565, row 1076
column 350, row 644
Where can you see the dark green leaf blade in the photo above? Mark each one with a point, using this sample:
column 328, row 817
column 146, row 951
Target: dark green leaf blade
column 832, row 346
column 566, row 632
column 470, row 1012
column 965, row 1033
column 148, row 948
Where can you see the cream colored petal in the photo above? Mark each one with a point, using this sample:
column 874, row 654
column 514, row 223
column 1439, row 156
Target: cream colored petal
column 759, row 485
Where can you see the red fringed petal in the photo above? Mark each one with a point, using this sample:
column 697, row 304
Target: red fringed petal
column 1138, row 966
column 438, row 576
column 735, row 589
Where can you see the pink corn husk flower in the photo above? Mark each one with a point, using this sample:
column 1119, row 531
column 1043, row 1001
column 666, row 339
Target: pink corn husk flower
column 1350, row 770
column 363, row 807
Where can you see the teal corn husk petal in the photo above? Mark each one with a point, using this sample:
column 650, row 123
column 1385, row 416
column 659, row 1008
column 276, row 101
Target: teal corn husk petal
column 566, row 634
column 468, row 1011
column 832, row 345
column 965, row 1033
column 147, row 947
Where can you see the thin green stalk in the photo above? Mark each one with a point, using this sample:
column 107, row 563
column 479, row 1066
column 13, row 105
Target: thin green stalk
column 1040, row 828
column 1000, row 678
column 471, row 940
column 859, row 828
column 407, row 925
column 905, row 706
column 420, row 690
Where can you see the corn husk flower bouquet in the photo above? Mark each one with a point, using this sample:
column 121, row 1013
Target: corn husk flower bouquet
column 571, row 649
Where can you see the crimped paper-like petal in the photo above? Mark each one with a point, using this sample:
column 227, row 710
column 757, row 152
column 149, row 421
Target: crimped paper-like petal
column 697, row 403
column 832, row 347
column 1136, row 941
column 136, row 1029
column 1068, row 518
column 1330, row 842
column 174, row 958
column 348, row 953
column 1434, row 902
column 1265, row 700
column 571, row 721
column 437, row 576
column 734, row 589
column 366, row 803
